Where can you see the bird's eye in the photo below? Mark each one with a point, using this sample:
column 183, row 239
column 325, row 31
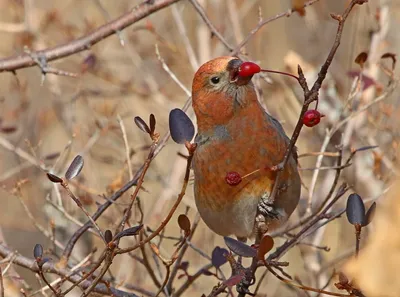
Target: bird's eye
column 215, row 80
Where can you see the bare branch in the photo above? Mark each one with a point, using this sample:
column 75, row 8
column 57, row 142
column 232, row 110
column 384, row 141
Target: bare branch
column 50, row 267
column 86, row 42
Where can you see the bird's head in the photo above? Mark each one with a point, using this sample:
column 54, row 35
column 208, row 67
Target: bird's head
column 218, row 92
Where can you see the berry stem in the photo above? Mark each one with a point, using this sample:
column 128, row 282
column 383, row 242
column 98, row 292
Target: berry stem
column 280, row 72
column 251, row 173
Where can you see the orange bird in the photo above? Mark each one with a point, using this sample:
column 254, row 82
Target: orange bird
column 236, row 134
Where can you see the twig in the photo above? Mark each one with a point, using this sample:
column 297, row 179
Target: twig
column 181, row 254
column 40, row 272
column 146, row 264
column 327, row 167
column 316, row 172
column 139, row 184
column 20, row 152
column 86, row 42
column 50, row 267
column 88, row 274
column 389, row 90
column 312, row 95
column 45, row 68
column 12, row 27
column 171, row 212
column 69, row 217
column 1, row 284
column 326, row 154
column 17, row 192
column 182, row 30
column 263, row 23
column 64, row 184
column 170, row 73
column 191, row 280
column 358, row 237
column 168, row 267
column 288, row 244
column 304, row 287
column 207, row 21
column 101, row 209
column 73, row 271
column 109, row 254
column 126, row 143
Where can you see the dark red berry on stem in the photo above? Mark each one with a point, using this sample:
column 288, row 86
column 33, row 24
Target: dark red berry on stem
column 233, row 178
column 249, row 69
column 312, row 117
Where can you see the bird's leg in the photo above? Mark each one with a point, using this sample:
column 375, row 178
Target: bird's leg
column 266, row 207
column 241, row 239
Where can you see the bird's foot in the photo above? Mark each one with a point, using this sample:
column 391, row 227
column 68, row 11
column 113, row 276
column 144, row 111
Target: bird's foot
column 268, row 210
column 243, row 286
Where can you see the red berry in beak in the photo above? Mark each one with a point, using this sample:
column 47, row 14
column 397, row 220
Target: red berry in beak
column 233, row 178
column 312, row 117
column 248, row 69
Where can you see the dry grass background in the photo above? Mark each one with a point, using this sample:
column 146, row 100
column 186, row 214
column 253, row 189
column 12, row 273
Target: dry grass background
column 82, row 113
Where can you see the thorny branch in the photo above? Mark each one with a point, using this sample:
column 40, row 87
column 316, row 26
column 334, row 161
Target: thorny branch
column 312, row 95
column 137, row 13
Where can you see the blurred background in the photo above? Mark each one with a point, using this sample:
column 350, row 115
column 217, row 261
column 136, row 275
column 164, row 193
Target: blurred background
column 44, row 125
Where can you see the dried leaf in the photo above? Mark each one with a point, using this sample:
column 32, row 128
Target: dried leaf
column 52, row 156
column 8, row 129
column 361, row 59
column 142, row 125
column 218, row 256
column 184, row 265
column 390, row 56
column 54, row 178
column 152, row 121
column 233, row 280
column 367, row 81
column 38, row 251
column 240, row 248
column 370, row 214
column 266, row 244
column 355, row 209
column 88, row 63
column 108, row 236
column 75, row 168
column 180, row 126
column 184, row 223
column 129, row 232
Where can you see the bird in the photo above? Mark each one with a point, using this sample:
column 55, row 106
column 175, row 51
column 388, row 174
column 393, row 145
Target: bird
column 235, row 134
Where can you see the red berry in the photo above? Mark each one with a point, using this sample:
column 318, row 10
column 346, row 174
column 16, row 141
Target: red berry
column 249, row 69
column 312, row 117
column 233, row 178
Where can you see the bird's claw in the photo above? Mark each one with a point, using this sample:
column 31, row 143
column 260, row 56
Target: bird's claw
column 243, row 286
column 268, row 210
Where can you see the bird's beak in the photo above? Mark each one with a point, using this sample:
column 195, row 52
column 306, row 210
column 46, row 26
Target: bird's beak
column 233, row 68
